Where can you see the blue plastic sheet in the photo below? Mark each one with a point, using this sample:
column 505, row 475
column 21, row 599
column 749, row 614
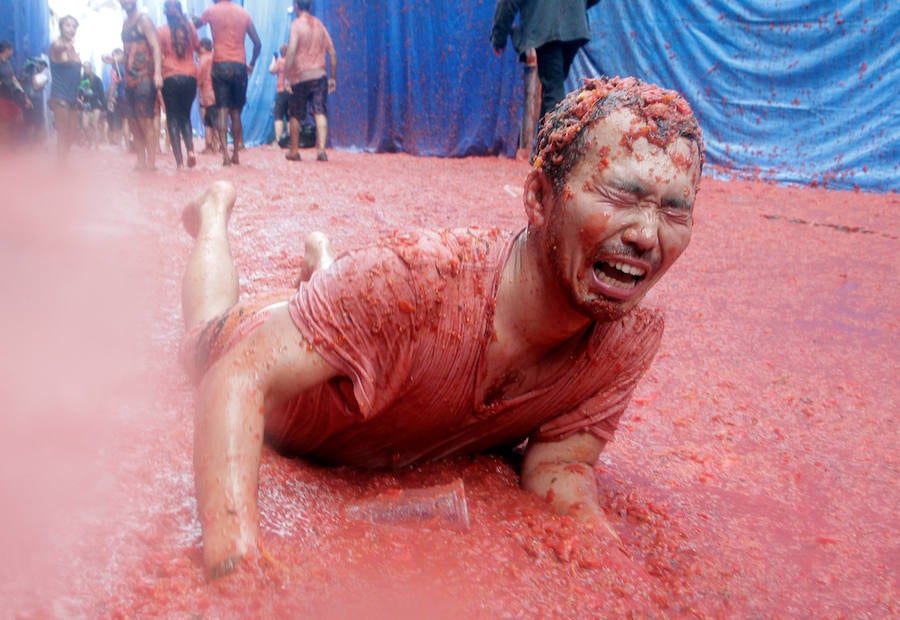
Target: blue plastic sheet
column 786, row 90
column 24, row 23
column 417, row 77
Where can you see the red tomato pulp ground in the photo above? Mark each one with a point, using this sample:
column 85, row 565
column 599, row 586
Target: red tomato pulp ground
column 754, row 474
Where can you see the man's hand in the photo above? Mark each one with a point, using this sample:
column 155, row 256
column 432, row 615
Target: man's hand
column 563, row 473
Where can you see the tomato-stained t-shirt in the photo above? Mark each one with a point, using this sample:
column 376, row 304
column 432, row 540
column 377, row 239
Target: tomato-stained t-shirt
column 408, row 324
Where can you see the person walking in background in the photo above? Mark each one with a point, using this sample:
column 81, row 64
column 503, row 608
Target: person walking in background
column 116, row 101
column 65, row 75
column 143, row 79
column 13, row 99
column 207, row 96
column 280, row 107
column 556, row 29
column 34, row 79
column 177, row 43
column 230, row 25
column 308, row 81
column 93, row 102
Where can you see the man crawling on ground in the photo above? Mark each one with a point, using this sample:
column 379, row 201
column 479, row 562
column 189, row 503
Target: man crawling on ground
column 439, row 343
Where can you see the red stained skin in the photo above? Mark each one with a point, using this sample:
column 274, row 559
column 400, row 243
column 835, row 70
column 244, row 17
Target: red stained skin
column 754, row 474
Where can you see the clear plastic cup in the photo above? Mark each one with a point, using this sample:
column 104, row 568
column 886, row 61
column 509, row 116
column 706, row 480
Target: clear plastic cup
column 441, row 506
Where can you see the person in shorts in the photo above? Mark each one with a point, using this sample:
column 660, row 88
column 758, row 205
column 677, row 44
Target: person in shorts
column 65, row 74
column 143, row 80
column 230, row 24
column 309, row 81
column 280, row 105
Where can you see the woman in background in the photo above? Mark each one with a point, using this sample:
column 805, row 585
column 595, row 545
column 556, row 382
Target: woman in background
column 177, row 43
column 65, row 73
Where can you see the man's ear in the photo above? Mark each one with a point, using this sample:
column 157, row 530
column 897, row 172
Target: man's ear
column 538, row 197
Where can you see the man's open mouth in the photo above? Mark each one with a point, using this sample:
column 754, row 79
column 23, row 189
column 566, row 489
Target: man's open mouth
column 618, row 274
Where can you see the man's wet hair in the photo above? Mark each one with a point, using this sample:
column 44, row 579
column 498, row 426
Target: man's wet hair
column 666, row 115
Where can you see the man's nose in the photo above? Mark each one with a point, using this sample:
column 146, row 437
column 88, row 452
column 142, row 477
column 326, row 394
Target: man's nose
column 643, row 230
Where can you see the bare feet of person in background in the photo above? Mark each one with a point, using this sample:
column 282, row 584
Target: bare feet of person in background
column 317, row 255
column 212, row 207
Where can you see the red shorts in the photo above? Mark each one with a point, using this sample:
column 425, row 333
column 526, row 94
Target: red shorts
column 203, row 345
column 9, row 111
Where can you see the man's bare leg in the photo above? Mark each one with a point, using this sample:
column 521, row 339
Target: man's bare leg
column 222, row 127
column 237, row 135
column 210, row 284
column 321, row 136
column 317, row 255
column 293, row 153
column 151, row 140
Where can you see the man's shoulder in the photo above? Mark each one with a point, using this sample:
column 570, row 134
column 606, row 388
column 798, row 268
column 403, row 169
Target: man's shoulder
column 236, row 9
column 644, row 319
column 639, row 333
column 456, row 246
column 226, row 7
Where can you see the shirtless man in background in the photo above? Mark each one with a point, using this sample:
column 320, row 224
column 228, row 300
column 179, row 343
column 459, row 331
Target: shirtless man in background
column 230, row 25
column 442, row 343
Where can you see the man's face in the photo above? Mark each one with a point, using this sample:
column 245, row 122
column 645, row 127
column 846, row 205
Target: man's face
column 128, row 5
column 624, row 216
column 7, row 54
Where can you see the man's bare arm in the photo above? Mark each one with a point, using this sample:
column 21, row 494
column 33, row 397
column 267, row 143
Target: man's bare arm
column 563, row 472
column 257, row 45
column 332, row 79
column 289, row 56
column 264, row 370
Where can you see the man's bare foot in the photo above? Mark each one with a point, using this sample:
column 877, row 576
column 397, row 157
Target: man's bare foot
column 317, row 255
column 234, row 157
column 213, row 205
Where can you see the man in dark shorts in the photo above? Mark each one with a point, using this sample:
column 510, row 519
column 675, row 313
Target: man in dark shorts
column 143, row 79
column 431, row 344
column 230, row 25
column 306, row 77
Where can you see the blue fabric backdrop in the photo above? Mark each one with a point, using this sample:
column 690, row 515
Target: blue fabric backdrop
column 787, row 90
column 24, row 22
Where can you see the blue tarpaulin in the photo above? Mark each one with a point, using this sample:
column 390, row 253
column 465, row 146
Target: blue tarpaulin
column 24, row 24
column 787, row 90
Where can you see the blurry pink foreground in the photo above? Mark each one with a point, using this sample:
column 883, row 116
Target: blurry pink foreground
column 754, row 476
